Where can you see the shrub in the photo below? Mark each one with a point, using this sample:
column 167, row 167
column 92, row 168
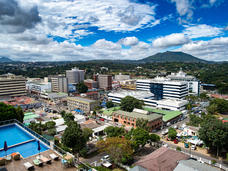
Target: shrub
column 178, row 149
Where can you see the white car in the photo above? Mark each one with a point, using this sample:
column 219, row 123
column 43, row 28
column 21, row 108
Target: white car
column 105, row 158
column 193, row 147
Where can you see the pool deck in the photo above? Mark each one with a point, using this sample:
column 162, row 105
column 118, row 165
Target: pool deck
column 54, row 166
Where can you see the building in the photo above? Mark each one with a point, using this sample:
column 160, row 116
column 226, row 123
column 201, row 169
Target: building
column 129, row 119
column 162, row 159
column 104, row 81
column 148, row 98
column 121, row 77
column 91, row 84
column 37, row 86
column 12, row 85
column 192, row 165
column 163, row 88
column 192, row 82
column 83, row 104
column 59, row 84
column 94, row 95
column 75, row 75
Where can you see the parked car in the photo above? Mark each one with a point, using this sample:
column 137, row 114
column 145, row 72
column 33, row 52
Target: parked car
column 186, row 145
column 193, row 147
column 105, row 158
column 175, row 141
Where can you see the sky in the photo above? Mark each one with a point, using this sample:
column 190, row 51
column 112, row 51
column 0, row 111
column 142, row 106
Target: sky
column 72, row 30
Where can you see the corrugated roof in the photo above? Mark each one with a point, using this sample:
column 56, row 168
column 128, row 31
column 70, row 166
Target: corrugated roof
column 167, row 115
column 136, row 115
column 192, row 165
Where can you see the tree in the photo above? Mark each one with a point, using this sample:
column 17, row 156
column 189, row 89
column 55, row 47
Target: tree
column 219, row 105
column 139, row 137
column 49, row 125
column 194, row 120
column 87, row 132
column 142, row 123
column 154, row 138
column 203, row 96
column 129, row 103
column 81, row 87
column 68, row 117
column 116, row 147
column 112, row 131
column 37, row 127
column 214, row 134
column 73, row 137
column 8, row 112
column 172, row 133
column 109, row 104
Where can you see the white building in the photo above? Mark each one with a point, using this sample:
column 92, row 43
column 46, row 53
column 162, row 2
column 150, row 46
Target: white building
column 75, row 75
column 163, row 88
column 148, row 98
column 121, row 77
column 193, row 82
column 38, row 86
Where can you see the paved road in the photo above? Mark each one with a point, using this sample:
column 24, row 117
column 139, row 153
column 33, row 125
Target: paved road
column 93, row 159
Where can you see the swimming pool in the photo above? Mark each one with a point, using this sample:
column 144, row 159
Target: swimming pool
column 18, row 140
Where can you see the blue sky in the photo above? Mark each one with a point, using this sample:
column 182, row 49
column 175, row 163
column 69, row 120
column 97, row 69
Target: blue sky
column 55, row 30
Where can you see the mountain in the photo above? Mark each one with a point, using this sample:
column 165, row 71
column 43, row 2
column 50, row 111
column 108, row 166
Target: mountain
column 172, row 57
column 5, row 59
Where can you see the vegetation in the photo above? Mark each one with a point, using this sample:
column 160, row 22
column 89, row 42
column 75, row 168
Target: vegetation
column 109, row 104
column 214, row 134
column 8, row 112
column 129, row 103
column 68, row 117
column 194, row 120
column 81, row 87
column 112, row 131
column 218, row 106
column 73, row 137
column 142, row 123
column 48, row 128
column 87, row 132
column 172, row 133
column 116, row 147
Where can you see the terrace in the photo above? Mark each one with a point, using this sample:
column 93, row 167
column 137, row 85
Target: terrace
column 22, row 140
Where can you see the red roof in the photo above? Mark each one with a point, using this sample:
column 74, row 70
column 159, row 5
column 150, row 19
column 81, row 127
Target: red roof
column 163, row 159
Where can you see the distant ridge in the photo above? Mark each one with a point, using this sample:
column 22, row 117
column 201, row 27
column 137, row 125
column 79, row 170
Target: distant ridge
column 172, row 57
column 5, row 59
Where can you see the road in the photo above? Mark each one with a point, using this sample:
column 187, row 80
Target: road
column 95, row 158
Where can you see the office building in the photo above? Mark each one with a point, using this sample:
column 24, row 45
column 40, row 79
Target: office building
column 163, row 88
column 12, row 85
column 128, row 119
column 36, row 86
column 82, row 104
column 149, row 100
column 192, row 82
column 91, row 84
column 75, row 76
column 104, row 81
column 121, row 77
column 59, row 84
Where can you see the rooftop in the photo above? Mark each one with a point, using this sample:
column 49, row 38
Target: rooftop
column 137, row 94
column 162, row 159
column 81, row 99
column 167, row 114
column 149, row 117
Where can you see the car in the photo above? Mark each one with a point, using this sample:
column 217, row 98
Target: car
column 175, row 141
column 193, row 147
column 105, row 158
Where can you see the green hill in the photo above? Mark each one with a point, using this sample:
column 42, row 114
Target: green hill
column 172, row 57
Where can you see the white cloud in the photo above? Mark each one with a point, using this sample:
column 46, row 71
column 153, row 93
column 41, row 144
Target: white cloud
column 129, row 41
column 202, row 30
column 215, row 49
column 104, row 44
column 184, row 7
column 174, row 39
column 212, row 2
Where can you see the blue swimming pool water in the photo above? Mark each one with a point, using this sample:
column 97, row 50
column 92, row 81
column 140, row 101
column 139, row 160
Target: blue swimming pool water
column 13, row 134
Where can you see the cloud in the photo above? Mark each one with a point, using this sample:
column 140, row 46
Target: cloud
column 174, row 39
column 184, row 8
column 129, row 41
column 202, row 30
column 104, row 44
column 15, row 19
column 215, row 49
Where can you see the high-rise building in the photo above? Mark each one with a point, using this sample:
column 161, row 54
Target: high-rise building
column 163, row 88
column 105, row 82
column 59, row 84
column 12, row 85
column 122, row 77
column 75, row 76
column 193, row 82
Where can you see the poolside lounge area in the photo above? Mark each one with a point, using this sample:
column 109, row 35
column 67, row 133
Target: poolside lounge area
column 18, row 165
